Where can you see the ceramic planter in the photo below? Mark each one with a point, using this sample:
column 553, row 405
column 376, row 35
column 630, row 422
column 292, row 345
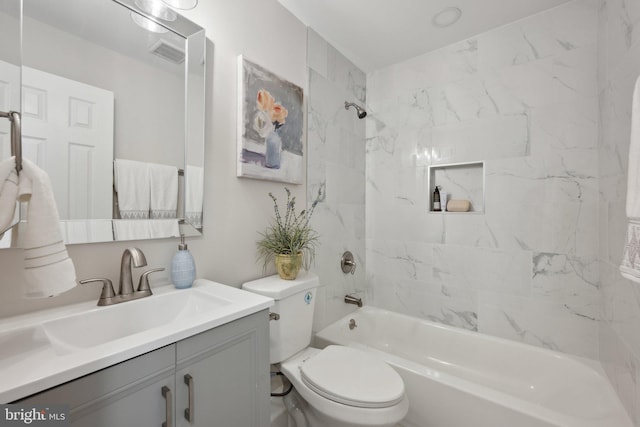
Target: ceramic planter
column 288, row 266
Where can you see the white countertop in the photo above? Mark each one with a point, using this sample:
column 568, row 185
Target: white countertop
column 31, row 361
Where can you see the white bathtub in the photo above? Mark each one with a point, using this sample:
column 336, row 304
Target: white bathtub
column 457, row 378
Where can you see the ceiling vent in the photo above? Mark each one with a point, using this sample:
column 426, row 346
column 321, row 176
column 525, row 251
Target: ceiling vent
column 168, row 51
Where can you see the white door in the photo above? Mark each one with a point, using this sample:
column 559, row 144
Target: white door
column 67, row 130
column 9, row 101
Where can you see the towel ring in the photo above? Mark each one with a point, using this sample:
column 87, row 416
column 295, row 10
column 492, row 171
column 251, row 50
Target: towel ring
column 16, row 136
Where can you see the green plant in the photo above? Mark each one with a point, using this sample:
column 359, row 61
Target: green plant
column 291, row 234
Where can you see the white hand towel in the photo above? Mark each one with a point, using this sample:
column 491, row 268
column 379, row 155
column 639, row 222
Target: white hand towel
column 194, row 188
column 164, row 191
column 630, row 265
column 138, row 229
column 132, row 183
column 163, row 228
column 131, row 229
column 48, row 269
column 8, row 193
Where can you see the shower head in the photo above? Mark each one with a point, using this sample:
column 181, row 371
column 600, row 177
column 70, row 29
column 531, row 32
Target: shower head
column 361, row 111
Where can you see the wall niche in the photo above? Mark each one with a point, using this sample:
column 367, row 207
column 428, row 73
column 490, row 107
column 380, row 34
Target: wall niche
column 461, row 181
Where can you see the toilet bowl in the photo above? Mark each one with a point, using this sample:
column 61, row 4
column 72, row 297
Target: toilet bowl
column 346, row 387
column 340, row 386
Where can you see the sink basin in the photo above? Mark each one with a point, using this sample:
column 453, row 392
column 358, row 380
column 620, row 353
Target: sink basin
column 105, row 324
column 46, row 348
column 21, row 343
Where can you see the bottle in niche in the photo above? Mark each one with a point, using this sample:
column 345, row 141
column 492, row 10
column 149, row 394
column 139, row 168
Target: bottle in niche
column 183, row 267
column 436, row 200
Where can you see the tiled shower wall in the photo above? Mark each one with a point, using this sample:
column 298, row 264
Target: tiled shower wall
column 336, row 163
column 524, row 99
column 619, row 66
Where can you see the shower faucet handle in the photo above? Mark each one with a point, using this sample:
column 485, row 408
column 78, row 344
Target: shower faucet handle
column 347, row 263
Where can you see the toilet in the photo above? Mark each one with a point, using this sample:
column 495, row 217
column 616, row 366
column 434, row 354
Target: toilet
column 340, row 386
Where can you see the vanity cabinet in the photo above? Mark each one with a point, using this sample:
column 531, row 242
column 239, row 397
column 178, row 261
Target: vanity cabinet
column 217, row 378
column 223, row 378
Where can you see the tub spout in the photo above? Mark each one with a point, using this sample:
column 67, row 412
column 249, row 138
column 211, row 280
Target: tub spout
column 351, row 299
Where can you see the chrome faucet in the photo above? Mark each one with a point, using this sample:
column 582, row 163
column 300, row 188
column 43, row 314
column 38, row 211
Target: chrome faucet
column 130, row 256
column 351, row 299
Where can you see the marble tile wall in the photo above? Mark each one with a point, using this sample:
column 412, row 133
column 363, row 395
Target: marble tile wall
column 336, row 164
column 524, row 99
column 618, row 69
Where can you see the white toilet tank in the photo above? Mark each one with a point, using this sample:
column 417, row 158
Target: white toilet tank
column 294, row 303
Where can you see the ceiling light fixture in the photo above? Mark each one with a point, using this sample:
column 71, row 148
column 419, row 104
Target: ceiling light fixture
column 446, row 17
column 159, row 9
column 156, row 9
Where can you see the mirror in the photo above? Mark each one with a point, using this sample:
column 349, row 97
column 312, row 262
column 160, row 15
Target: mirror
column 112, row 104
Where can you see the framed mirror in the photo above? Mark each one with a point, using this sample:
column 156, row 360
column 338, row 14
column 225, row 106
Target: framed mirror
column 112, row 104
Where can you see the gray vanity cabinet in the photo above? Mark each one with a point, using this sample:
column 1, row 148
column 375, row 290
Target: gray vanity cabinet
column 227, row 368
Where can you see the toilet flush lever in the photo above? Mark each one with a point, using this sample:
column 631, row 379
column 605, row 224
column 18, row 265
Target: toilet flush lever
column 274, row 316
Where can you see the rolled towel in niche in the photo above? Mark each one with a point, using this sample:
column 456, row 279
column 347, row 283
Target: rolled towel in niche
column 458, row 206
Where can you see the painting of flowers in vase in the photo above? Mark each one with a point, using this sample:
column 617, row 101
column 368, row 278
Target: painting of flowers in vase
column 270, row 125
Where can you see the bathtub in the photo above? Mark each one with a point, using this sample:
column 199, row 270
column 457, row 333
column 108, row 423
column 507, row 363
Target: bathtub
column 458, row 378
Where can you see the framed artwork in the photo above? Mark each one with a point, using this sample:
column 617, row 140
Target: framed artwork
column 270, row 125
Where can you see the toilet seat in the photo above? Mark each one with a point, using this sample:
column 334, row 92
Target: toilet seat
column 352, row 377
column 345, row 413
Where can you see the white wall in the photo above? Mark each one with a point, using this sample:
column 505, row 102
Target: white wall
column 10, row 24
column 522, row 97
column 143, row 93
column 235, row 209
column 619, row 67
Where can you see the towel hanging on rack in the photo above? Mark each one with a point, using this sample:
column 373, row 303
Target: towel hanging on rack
column 132, row 183
column 194, row 190
column 163, row 187
column 8, row 193
column 48, row 270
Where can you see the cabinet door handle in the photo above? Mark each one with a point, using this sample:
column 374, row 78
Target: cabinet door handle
column 168, row 396
column 188, row 413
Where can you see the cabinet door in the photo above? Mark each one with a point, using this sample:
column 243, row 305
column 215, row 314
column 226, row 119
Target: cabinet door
column 142, row 406
column 229, row 371
column 125, row 395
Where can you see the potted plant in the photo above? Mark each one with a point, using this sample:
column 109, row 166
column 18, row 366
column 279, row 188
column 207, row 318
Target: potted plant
column 289, row 240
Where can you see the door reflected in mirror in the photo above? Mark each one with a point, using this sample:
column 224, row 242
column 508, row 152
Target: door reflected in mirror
column 98, row 90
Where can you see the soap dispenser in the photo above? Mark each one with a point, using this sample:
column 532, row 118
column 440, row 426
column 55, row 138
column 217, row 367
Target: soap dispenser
column 183, row 268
